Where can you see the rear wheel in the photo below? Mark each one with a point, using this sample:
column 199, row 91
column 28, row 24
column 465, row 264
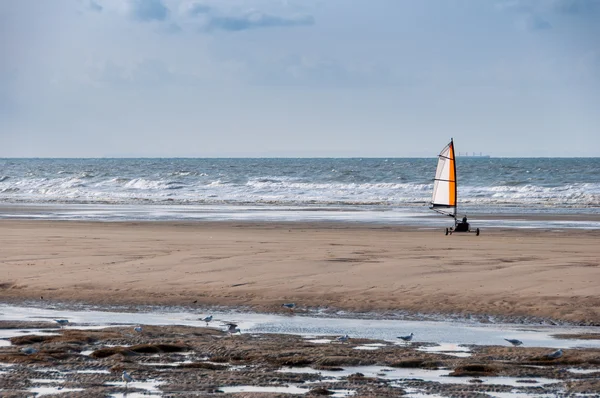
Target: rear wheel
column 477, row 232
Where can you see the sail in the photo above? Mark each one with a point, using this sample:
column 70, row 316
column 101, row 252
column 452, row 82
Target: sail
column 444, row 185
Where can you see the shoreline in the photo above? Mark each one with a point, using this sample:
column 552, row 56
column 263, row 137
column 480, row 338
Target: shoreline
column 391, row 216
column 325, row 313
column 352, row 267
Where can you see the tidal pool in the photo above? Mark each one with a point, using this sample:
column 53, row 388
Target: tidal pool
column 407, row 374
column 439, row 332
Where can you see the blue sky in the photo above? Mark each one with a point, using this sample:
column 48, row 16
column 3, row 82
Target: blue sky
column 83, row 78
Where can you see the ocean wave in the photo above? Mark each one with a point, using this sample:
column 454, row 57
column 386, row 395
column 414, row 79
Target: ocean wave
column 259, row 190
column 298, row 182
column 186, row 173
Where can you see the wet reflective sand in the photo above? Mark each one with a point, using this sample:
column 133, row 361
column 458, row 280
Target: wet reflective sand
column 175, row 354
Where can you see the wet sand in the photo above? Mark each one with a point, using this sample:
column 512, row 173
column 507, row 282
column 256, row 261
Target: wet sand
column 553, row 274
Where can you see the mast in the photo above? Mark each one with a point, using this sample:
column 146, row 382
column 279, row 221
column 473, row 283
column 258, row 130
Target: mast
column 455, row 179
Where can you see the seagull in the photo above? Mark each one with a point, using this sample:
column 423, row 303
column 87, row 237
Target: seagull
column 126, row 378
column 556, row 354
column 343, row 339
column 62, row 322
column 289, row 306
column 28, row 350
column 207, row 319
column 138, row 329
column 514, row 342
column 232, row 328
column 407, row 338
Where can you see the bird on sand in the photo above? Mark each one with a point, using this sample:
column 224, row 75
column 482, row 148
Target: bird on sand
column 138, row 329
column 62, row 322
column 28, row 350
column 207, row 319
column 289, row 306
column 126, row 378
column 514, row 342
column 556, row 354
column 407, row 338
column 232, row 329
column 343, row 339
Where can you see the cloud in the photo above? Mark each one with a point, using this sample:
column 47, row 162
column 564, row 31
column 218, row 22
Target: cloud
column 146, row 73
column 148, row 10
column 255, row 21
column 533, row 22
column 576, row 6
column 549, row 6
column 198, row 9
column 95, row 6
column 517, row 6
column 172, row 28
column 527, row 14
column 588, row 66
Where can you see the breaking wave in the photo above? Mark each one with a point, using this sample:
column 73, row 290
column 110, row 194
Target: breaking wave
column 305, row 182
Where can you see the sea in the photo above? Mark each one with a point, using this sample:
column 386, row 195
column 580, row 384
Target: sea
column 563, row 192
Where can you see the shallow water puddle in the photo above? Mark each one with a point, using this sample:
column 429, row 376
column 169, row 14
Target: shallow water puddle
column 8, row 333
column 93, row 371
column 280, row 389
column 63, row 373
column 40, row 391
column 406, row 374
column 47, row 370
column 386, row 330
column 369, row 347
column 97, row 327
column 455, row 350
column 286, row 389
column 320, row 341
column 583, row 371
column 418, row 393
column 519, row 394
column 169, row 364
column 149, row 385
column 47, row 381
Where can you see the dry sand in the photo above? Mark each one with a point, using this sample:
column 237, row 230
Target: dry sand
column 353, row 267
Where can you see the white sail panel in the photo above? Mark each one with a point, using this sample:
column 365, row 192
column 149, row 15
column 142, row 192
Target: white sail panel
column 444, row 187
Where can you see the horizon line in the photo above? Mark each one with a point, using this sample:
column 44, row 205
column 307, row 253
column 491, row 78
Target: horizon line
column 295, row 157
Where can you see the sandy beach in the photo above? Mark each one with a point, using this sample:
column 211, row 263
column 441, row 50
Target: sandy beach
column 552, row 274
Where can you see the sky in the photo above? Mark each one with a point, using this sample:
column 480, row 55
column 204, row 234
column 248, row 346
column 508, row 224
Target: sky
column 299, row 78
